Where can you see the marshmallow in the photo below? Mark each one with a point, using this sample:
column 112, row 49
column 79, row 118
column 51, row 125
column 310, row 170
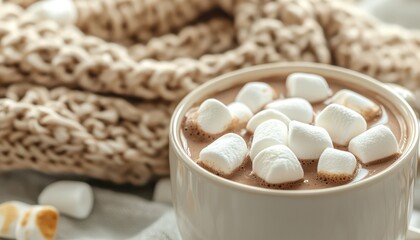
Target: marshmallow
column 267, row 134
column 336, row 165
column 255, row 95
column 307, row 141
column 62, row 11
column 163, row 191
column 38, row 223
column 277, row 165
column 225, row 154
column 366, row 107
column 263, row 116
column 341, row 123
column 213, row 117
column 311, row 87
column 297, row 109
column 10, row 213
column 71, row 198
column 240, row 111
column 375, row 144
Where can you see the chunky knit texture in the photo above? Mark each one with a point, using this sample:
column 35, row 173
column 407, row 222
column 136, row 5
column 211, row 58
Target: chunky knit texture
column 95, row 99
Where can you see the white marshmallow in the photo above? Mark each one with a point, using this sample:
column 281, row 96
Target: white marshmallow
column 10, row 213
column 366, row 107
column 267, row 134
column 375, row 144
column 163, row 191
column 72, row 198
column 307, row 141
column 213, row 117
column 225, row 154
column 297, row 109
column 341, row 123
column 335, row 164
column 240, row 111
column 277, row 164
column 255, row 95
column 311, row 87
column 38, row 223
column 263, row 116
column 62, row 11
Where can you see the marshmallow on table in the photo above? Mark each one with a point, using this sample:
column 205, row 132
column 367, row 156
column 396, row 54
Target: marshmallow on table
column 240, row 111
column 267, row 134
column 163, row 191
column 307, row 141
column 72, row 198
column 277, row 165
column 225, row 154
column 38, row 223
column 341, row 123
column 61, row 11
column 363, row 105
column 263, row 116
column 213, row 117
column 10, row 213
column 255, row 95
column 311, row 87
column 297, row 109
column 375, row 144
column 336, row 165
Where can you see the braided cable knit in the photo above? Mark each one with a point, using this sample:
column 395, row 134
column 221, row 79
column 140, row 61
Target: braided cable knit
column 95, row 98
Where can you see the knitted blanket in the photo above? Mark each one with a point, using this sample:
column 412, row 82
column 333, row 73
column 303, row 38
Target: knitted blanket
column 95, row 98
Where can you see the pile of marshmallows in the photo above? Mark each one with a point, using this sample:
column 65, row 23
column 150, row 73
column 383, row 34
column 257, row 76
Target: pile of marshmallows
column 25, row 222
column 283, row 132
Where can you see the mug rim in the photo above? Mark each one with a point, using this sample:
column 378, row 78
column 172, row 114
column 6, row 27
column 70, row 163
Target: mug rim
column 402, row 106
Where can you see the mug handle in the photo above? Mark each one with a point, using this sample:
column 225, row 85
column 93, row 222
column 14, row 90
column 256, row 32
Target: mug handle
column 413, row 233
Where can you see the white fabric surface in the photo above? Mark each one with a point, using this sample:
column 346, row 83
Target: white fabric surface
column 115, row 216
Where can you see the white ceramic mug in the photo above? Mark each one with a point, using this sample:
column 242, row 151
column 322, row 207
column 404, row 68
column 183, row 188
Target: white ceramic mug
column 210, row 207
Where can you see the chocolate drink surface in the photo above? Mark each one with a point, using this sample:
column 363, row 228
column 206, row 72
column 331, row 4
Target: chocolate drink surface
column 194, row 142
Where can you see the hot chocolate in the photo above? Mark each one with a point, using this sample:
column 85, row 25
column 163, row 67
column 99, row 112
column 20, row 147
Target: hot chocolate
column 288, row 107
